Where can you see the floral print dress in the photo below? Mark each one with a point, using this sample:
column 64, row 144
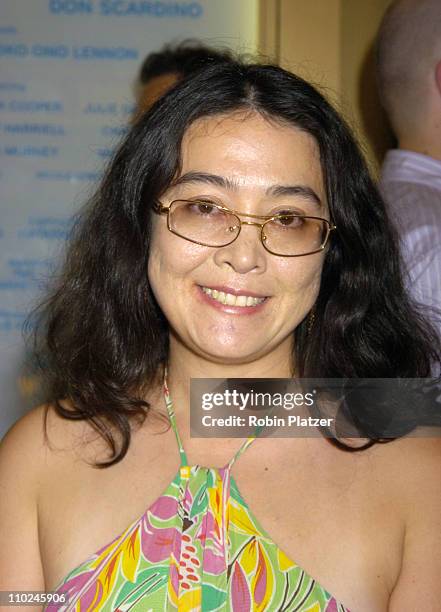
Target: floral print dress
column 198, row 547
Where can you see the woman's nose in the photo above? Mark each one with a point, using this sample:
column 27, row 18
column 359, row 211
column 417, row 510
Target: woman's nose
column 246, row 253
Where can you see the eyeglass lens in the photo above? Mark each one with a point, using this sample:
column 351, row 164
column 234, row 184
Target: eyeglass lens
column 207, row 224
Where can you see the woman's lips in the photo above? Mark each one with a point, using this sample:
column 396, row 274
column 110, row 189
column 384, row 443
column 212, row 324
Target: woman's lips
column 232, row 301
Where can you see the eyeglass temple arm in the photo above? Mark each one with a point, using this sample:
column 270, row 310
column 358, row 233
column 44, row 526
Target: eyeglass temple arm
column 159, row 208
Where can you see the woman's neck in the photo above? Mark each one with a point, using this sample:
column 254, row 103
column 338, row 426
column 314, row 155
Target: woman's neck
column 183, row 365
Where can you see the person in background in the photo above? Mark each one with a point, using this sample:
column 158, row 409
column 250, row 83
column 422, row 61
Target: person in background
column 408, row 52
column 163, row 69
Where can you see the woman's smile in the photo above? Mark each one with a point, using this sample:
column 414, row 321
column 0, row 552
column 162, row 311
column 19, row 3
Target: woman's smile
column 232, row 302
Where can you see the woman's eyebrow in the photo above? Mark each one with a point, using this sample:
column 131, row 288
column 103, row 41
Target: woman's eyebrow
column 207, row 178
column 226, row 183
column 294, row 190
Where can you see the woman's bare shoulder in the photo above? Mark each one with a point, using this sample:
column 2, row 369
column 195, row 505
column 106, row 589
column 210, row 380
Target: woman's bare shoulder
column 42, row 436
column 22, row 463
column 418, row 471
column 407, row 460
column 24, row 442
column 416, row 452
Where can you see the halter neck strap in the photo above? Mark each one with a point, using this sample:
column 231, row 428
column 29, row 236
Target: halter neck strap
column 171, row 416
column 182, row 453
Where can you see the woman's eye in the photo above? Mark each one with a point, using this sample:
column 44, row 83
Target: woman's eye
column 202, row 208
column 290, row 219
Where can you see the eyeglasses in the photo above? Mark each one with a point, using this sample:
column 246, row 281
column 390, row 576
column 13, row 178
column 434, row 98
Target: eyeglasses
column 209, row 224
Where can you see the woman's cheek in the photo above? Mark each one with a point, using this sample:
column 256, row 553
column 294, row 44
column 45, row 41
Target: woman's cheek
column 301, row 275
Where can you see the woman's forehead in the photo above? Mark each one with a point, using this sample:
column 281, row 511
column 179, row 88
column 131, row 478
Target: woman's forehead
column 247, row 149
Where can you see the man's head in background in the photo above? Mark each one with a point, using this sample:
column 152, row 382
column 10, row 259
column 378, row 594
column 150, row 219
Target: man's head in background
column 408, row 52
column 162, row 69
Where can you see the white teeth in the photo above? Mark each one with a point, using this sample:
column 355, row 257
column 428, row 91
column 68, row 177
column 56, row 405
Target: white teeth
column 232, row 300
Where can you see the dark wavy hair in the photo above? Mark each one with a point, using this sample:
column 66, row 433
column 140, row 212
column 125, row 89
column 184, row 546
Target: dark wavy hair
column 103, row 338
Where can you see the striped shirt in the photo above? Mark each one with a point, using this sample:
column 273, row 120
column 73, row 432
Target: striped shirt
column 411, row 185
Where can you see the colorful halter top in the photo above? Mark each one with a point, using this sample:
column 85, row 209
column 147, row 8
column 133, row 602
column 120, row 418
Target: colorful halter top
column 196, row 548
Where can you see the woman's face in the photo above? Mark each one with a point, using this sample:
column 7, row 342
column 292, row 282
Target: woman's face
column 250, row 165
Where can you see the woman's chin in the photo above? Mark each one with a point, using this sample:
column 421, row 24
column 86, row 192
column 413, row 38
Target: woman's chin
column 229, row 353
column 226, row 347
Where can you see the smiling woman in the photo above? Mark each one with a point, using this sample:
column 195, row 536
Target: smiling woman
column 237, row 233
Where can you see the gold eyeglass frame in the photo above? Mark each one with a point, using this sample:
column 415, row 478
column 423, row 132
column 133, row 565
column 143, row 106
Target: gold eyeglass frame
column 161, row 209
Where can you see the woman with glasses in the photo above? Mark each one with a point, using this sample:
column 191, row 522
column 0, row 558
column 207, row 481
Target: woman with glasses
column 236, row 234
